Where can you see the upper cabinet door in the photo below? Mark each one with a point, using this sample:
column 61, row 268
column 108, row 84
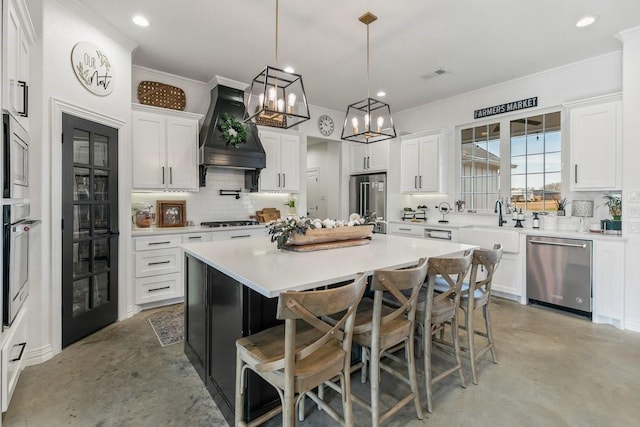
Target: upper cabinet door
column 358, row 157
column 595, row 147
column 270, row 178
column 430, row 164
column 149, row 151
column 282, row 172
column 182, row 153
column 410, row 162
column 422, row 158
column 378, row 156
column 290, row 162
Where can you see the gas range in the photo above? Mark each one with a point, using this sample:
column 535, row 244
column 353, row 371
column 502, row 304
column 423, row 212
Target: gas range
column 222, row 224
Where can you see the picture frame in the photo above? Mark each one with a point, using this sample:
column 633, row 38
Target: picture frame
column 172, row 213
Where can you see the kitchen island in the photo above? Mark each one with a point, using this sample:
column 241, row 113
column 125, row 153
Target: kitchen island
column 232, row 288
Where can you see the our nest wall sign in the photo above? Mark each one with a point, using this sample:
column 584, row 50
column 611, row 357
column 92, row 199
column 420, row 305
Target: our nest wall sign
column 93, row 68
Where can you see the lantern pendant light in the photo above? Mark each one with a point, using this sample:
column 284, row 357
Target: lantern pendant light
column 276, row 98
column 368, row 120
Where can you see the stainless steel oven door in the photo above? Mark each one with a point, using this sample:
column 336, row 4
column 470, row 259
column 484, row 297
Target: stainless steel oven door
column 15, row 261
column 16, row 159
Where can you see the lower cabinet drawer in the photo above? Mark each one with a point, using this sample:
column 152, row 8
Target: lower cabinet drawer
column 163, row 261
column 157, row 288
column 12, row 354
column 407, row 230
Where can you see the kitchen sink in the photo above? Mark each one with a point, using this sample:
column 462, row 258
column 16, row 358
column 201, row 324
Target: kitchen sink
column 486, row 237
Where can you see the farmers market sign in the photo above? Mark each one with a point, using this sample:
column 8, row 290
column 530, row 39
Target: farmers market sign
column 506, row 108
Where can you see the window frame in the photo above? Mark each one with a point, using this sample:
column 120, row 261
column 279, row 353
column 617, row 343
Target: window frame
column 505, row 149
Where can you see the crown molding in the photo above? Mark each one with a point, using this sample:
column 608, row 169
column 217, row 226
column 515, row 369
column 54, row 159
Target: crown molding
column 628, row 34
column 99, row 23
column 219, row 80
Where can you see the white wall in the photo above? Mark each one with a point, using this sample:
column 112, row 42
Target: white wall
column 63, row 26
column 630, row 175
column 326, row 157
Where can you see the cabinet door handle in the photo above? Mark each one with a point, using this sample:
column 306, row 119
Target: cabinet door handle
column 415, row 182
column 158, row 262
column 170, row 174
column 240, row 236
column 404, row 229
column 368, row 162
column 194, row 237
column 279, row 181
column 23, row 345
column 158, row 289
column 364, row 163
column 284, row 180
column 420, row 181
column 25, row 99
column 163, row 175
column 575, row 173
column 159, row 243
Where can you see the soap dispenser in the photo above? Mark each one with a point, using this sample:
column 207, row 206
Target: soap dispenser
column 536, row 220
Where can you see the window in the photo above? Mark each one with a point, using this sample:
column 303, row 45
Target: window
column 536, row 162
column 480, row 168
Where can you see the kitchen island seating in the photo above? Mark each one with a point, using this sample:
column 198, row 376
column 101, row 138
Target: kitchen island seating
column 381, row 330
column 475, row 294
column 438, row 309
column 303, row 353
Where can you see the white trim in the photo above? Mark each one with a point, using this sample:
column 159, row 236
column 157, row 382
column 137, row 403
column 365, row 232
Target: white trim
column 170, row 76
column 632, row 325
column 165, row 111
column 629, row 34
column 38, row 355
column 616, row 96
column 99, row 23
column 57, row 108
column 219, row 80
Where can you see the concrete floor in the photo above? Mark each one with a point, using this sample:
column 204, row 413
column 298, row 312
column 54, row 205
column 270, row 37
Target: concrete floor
column 554, row 370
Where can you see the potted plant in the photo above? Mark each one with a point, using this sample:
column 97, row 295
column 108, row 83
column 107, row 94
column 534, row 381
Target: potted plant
column 291, row 203
column 561, row 204
column 614, row 203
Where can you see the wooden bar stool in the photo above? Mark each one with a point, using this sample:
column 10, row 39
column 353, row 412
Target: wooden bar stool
column 382, row 330
column 476, row 294
column 439, row 308
column 304, row 352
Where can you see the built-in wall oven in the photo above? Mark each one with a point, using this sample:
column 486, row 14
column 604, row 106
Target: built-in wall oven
column 15, row 145
column 15, row 262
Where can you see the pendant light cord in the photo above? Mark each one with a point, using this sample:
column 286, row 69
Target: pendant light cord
column 368, row 78
column 277, row 7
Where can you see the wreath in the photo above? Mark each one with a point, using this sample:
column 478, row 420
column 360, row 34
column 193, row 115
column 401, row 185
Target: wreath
column 233, row 132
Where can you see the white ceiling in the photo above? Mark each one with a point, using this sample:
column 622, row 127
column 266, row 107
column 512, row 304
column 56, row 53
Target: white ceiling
column 478, row 43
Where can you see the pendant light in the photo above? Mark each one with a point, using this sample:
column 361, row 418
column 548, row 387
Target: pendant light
column 276, row 97
column 368, row 120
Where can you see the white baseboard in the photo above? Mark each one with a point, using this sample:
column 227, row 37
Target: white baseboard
column 632, row 325
column 38, row 355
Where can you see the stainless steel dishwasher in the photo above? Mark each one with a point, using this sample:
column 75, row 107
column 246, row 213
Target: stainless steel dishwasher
column 559, row 272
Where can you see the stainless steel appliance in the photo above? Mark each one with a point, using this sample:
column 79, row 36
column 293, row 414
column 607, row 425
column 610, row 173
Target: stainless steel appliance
column 368, row 194
column 15, row 262
column 559, row 272
column 437, row 234
column 230, row 223
column 15, row 146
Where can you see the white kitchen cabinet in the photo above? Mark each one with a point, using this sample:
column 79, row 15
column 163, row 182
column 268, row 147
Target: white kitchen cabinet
column 596, row 144
column 422, row 163
column 365, row 158
column 238, row 234
column 18, row 35
column 158, row 268
column 165, row 149
column 282, row 171
column 608, row 282
column 12, row 354
column 412, row 230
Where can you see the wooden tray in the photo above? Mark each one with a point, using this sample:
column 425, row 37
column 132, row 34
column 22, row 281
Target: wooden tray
column 324, row 235
column 161, row 95
column 327, row 245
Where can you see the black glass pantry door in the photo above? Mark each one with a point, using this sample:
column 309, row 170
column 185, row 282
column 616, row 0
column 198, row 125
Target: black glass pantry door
column 89, row 227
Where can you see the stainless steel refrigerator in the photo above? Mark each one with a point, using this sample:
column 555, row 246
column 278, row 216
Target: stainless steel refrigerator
column 367, row 194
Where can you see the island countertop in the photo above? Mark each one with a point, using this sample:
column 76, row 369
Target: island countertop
column 258, row 264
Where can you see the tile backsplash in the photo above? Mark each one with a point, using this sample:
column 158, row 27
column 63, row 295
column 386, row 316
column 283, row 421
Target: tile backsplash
column 209, row 205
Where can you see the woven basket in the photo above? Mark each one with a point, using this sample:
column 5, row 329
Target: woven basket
column 322, row 235
column 161, row 95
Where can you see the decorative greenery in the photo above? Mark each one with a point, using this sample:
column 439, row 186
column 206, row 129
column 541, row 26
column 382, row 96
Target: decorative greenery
column 282, row 229
column 614, row 203
column 407, row 209
column 291, row 203
column 233, row 132
column 422, row 207
column 562, row 204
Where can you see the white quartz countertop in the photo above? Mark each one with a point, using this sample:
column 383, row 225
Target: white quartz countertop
column 258, row 264
column 157, row 231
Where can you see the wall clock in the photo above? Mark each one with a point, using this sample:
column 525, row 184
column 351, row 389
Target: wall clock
column 325, row 125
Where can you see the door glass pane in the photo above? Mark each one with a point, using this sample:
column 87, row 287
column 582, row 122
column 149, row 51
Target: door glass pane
column 81, row 258
column 101, row 289
column 100, row 187
column 80, row 296
column 81, row 184
column 101, row 225
column 100, row 150
column 81, row 221
column 101, row 254
column 80, row 146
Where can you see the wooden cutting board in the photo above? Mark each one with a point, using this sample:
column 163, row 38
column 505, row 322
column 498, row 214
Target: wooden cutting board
column 268, row 215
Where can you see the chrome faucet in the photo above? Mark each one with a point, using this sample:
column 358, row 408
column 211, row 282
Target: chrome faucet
column 498, row 209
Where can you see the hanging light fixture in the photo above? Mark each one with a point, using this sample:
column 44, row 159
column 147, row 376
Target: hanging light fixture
column 276, row 97
column 368, row 120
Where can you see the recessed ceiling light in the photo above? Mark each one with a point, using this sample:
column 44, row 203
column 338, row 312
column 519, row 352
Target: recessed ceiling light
column 381, row 93
column 585, row 21
column 288, row 70
column 141, row 21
